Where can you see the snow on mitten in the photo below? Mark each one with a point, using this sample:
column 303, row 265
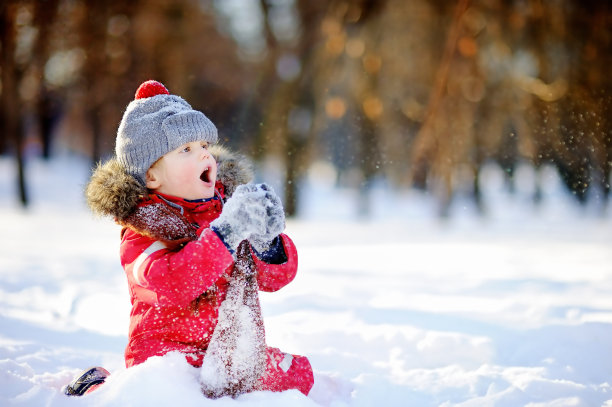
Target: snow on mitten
column 236, row 357
column 243, row 215
column 275, row 221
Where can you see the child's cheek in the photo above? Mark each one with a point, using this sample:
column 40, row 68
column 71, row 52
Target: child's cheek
column 188, row 172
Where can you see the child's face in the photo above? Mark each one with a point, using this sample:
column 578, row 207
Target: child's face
column 189, row 172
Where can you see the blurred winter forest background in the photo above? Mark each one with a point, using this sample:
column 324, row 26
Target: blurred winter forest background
column 418, row 93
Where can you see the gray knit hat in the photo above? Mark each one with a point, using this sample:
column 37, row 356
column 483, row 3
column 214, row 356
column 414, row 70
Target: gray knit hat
column 154, row 124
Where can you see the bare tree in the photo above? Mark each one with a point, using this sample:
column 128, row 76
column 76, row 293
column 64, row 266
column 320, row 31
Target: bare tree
column 11, row 101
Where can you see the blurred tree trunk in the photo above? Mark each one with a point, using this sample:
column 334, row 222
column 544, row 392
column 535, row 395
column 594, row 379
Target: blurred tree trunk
column 430, row 150
column 46, row 109
column 298, row 136
column 285, row 97
column 95, row 72
column 11, row 102
column 266, row 92
column 371, row 109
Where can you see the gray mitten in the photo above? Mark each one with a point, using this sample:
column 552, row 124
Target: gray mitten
column 274, row 223
column 244, row 214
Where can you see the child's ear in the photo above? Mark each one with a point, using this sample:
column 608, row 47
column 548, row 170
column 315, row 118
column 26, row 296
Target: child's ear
column 153, row 181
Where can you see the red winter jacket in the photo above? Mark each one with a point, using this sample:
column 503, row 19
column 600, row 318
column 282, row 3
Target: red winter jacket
column 176, row 290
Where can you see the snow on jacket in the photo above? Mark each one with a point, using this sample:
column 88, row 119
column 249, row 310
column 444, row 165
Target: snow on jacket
column 176, row 266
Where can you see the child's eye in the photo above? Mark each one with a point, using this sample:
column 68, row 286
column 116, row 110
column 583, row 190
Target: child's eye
column 186, row 150
column 204, row 145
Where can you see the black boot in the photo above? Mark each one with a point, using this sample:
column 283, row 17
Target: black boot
column 90, row 377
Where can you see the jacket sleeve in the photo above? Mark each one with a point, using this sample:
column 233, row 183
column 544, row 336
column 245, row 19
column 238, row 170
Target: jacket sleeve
column 158, row 275
column 273, row 277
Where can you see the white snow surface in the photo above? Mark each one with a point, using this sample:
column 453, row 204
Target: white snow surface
column 395, row 309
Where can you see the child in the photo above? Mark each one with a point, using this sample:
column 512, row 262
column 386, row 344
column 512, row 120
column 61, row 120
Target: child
column 184, row 209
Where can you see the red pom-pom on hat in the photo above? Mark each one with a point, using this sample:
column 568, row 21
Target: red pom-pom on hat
column 149, row 89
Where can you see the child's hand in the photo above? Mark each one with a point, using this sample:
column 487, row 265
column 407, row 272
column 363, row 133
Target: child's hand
column 244, row 214
column 275, row 221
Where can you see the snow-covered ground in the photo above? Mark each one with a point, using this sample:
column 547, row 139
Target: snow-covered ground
column 399, row 309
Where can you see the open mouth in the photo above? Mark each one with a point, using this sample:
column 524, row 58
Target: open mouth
column 205, row 176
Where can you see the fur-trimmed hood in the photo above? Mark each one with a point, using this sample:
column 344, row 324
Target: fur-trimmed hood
column 112, row 192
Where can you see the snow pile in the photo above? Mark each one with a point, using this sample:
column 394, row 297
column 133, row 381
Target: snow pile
column 397, row 310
